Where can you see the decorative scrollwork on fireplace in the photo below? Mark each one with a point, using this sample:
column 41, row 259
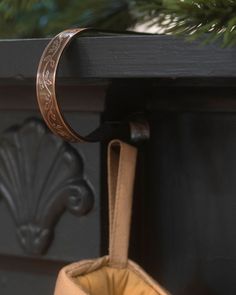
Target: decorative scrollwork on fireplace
column 40, row 177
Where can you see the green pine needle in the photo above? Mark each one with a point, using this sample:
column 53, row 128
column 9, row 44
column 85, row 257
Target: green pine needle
column 34, row 18
column 217, row 18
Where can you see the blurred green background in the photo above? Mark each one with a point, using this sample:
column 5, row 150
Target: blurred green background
column 212, row 19
column 34, row 19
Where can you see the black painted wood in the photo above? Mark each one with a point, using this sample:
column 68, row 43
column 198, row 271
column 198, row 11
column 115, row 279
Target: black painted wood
column 190, row 202
column 87, row 97
column 183, row 219
column 73, row 237
column 127, row 56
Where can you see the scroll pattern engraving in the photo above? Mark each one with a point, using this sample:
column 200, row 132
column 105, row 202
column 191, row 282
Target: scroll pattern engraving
column 46, row 86
column 40, row 177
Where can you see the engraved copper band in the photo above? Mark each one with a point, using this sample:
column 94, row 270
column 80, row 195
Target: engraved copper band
column 45, row 86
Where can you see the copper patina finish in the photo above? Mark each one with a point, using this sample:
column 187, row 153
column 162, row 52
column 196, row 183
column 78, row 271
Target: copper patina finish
column 46, row 85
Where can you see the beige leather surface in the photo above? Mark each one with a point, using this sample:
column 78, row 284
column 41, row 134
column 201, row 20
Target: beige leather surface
column 113, row 274
column 114, row 281
column 121, row 172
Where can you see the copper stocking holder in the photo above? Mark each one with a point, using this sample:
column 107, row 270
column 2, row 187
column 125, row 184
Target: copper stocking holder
column 134, row 130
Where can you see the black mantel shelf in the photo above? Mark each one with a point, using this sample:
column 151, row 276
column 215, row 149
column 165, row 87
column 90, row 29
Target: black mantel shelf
column 122, row 56
column 183, row 221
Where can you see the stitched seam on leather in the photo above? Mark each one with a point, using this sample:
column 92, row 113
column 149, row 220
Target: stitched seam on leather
column 102, row 261
column 110, row 189
column 115, row 255
column 111, row 194
column 69, row 272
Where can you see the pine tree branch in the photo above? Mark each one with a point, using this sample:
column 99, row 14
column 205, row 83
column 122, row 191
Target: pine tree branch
column 192, row 18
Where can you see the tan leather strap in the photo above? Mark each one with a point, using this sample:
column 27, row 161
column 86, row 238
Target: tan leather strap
column 121, row 172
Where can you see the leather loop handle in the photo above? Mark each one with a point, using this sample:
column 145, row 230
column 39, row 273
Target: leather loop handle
column 121, row 173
